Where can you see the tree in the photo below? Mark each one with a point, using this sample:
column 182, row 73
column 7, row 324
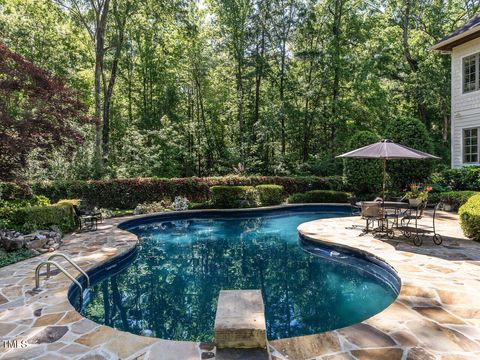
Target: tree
column 37, row 112
column 107, row 39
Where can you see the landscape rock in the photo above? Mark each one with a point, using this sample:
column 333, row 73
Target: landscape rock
column 39, row 240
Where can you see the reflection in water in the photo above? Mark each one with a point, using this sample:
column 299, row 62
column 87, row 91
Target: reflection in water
column 170, row 291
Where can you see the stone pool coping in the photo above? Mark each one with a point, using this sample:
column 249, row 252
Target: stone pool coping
column 436, row 316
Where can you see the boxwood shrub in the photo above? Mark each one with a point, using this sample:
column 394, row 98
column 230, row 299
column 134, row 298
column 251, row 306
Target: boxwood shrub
column 320, row 196
column 234, row 196
column 470, row 217
column 270, row 194
column 40, row 217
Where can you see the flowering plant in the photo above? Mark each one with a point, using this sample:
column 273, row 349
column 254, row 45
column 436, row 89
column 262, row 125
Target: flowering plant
column 180, row 203
column 418, row 194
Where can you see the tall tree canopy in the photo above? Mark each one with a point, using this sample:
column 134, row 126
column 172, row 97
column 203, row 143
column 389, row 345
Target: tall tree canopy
column 210, row 87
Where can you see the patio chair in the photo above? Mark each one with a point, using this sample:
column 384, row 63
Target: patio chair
column 413, row 214
column 85, row 221
column 372, row 211
column 411, row 225
column 85, row 208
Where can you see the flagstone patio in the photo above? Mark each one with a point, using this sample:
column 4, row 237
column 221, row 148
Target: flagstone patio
column 436, row 316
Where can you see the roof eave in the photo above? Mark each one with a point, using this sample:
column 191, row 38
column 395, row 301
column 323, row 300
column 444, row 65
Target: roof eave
column 446, row 45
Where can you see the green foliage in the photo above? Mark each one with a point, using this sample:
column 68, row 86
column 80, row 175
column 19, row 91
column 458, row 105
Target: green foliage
column 266, row 84
column 12, row 257
column 409, row 132
column 8, row 208
column 363, row 176
column 14, row 191
column 40, row 217
column 465, row 178
column 234, row 196
column 128, row 193
column 470, row 217
column 200, row 205
column 320, row 196
column 270, row 194
column 453, row 198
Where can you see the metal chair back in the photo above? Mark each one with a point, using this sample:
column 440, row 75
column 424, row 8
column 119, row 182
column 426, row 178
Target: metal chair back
column 371, row 210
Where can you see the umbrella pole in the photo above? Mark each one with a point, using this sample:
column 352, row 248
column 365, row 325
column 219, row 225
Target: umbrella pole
column 384, row 176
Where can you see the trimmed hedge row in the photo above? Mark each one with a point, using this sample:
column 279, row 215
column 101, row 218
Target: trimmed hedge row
column 128, row 193
column 320, row 196
column 470, row 217
column 38, row 217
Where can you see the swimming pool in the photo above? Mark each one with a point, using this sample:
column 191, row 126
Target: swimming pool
column 168, row 286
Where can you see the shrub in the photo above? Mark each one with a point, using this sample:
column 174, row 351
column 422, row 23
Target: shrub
column 466, row 178
column 470, row 217
column 270, row 194
column 233, row 196
column 37, row 217
column 413, row 133
column 128, row 193
column 8, row 208
column 201, row 205
column 320, row 196
column 453, row 198
column 148, row 208
column 363, row 176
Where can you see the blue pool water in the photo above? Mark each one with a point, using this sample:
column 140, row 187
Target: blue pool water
column 168, row 287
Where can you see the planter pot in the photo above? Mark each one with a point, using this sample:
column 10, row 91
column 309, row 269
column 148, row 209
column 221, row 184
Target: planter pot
column 414, row 202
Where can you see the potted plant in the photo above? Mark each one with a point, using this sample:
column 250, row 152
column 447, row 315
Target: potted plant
column 416, row 196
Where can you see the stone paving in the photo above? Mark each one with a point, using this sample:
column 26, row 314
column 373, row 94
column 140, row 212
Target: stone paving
column 436, row 316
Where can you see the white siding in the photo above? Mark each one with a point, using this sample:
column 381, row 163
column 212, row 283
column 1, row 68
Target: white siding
column 465, row 107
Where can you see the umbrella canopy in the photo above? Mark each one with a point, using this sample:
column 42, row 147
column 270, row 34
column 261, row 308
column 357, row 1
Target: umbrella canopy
column 387, row 150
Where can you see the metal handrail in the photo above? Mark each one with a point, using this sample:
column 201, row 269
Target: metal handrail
column 72, row 263
column 48, row 262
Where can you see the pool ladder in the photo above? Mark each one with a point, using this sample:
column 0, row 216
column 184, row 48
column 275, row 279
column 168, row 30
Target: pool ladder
column 50, row 262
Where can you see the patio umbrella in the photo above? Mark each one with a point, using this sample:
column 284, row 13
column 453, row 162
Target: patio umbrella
column 387, row 150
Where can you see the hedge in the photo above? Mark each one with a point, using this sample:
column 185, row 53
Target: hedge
column 470, row 217
column 270, row 194
column 128, row 193
column 37, row 217
column 234, row 196
column 453, row 198
column 363, row 176
column 320, row 196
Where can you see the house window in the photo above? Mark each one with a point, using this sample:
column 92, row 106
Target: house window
column 470, row 146
column 471, row 73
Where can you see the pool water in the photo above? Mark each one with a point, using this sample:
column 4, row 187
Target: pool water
column 169, row 287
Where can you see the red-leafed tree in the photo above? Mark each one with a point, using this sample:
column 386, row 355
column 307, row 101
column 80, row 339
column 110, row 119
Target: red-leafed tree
column 37, row 111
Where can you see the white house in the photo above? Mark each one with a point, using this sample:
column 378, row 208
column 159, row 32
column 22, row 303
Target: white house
column 464, row 47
